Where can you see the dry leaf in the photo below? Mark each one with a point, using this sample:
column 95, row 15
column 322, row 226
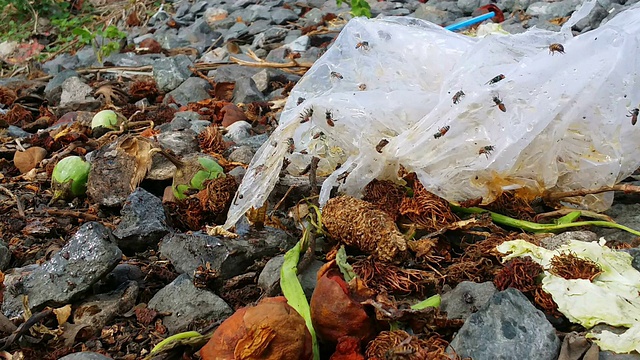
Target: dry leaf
column 254, row 343
column 29, row 159
column 62, row 314
column 142, row 151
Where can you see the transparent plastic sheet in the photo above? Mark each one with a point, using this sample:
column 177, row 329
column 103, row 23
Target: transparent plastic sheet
column 565, row 125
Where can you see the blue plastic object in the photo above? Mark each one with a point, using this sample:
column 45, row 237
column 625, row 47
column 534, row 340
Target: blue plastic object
column 471, row 21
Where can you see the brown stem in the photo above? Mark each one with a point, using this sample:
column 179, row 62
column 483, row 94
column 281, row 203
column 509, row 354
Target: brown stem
column 555, row 196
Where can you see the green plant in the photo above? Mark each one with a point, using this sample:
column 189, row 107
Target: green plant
column 358, row 7
column 104, row 42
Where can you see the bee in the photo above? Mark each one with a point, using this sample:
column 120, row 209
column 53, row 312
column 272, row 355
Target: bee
column 495, row 79
column 441, row 132
column 336, row 75
column 306, row 115
column 363, row 44
column 381, row 144
column 486, row 150
column 329, row 118
column 499, row 104
column 291, row 146
column 343, row 176
column 401, row 350
column 317, row 135
column 633, row 114
column 300, row 100
column 553, row 48
column 458, row 96
column 362, row 87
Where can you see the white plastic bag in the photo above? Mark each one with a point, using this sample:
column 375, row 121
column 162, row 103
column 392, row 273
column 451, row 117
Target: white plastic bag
column 565, row 125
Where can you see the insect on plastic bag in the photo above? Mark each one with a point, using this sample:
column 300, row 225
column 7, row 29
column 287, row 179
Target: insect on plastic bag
column 383, row 96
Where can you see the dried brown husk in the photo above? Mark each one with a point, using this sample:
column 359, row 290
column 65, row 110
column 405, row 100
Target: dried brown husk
column 211, row 141
column 428, row 211
column 510, row 204
column 569, row 266
column 359, row 224
column 518, row 273
column 388, row 278
column 142, row 89
column 398, row 344
column 479, row 270
column 386, row 196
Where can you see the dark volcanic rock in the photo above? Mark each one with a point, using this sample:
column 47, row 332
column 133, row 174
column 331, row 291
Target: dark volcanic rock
column 466, row 298
column 169, row 73
column 508, row 327
column 143, row 222
column 229, row 257
column 90, row 254
column 188, row 304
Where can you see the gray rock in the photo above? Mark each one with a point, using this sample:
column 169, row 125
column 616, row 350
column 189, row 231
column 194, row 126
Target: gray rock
column 300, row 44
column 270, row 276
column 608, row 355
column 96, row 311
column 625, row 214
column 169, row 39
column 313, row 16
column 121, row 274
column 254, row 142
column 60, row 63
column 199, row 126
column 466, row 298
column 188, row 304
column 86, row 57
column 237, row 173
column 506, row 5
column 436, row 14
column 258, row 27
column 281, row 16
column 593, row 20
column 522, row 4
column 169, row 73
column 382, row 8
column 261, row 80
column 278, row 55
column 143, row 222
column 635, row 253
column 467, row 6
column 242, row 154
column 554, row 242
column 238, row 29
column 181, row 143
column 5, row 256
column 400, row 12
column 508, row 327
column 53, row 90
column 546, row 10
column 16, row 132
column 273, row 35
column 258, row 12
column 246, row 91
column 231, row 73
column 238, row 131
column 199, row 7
column 133, row 59
column 229, row 257
column 85, row 355
column 193, row 89
column 74, row 90
column 90, row 254
column 223, row 25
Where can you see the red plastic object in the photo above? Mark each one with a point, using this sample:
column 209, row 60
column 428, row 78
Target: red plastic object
column 489, row 8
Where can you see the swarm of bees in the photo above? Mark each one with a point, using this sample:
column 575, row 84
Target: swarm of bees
column 486, row 150
column 364, row 45
column 441, row 132
column 458, row 96
column 499, row 104
column 633, row 114
column 306, row 115
column 329, row 118
column 495, row 79
column 554, row 48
